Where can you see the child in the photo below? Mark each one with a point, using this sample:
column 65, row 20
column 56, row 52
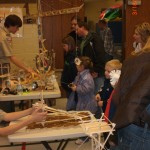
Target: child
column 105, row 92
column 69, row 71
column 103, row 95
column 82, row 96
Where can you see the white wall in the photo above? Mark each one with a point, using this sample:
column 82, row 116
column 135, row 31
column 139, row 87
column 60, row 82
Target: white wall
column 25, row 48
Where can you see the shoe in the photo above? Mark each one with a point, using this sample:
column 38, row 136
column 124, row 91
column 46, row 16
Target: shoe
column 79, row 141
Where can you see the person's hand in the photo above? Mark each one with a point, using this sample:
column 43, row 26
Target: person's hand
column 73, row 87
column 33, row 74
column 114, row 77
column 97, row 97
column 38, row 115
column 100, row 103
column 94, row 74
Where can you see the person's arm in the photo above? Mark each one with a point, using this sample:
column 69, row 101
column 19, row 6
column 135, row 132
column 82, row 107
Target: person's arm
column 35, row 116
column 16, row 115
column 19, row 64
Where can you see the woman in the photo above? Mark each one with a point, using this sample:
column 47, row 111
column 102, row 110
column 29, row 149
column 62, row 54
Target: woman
column 132, row 96
column 35, row 115
column 69, row 71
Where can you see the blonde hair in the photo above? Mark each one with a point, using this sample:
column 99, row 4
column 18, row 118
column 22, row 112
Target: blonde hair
column 115, row 64
column 144, row 30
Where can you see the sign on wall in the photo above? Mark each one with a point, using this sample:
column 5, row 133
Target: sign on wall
column 4, row 12
column 134, row 2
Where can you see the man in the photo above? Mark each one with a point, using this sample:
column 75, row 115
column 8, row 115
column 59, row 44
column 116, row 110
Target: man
column 74, row 24
column 11, row 25
column 106, row 36
column 93, row 47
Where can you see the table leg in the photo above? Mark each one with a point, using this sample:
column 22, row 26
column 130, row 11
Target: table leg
column 23, row 146
column 64, row 143
column 46, row 145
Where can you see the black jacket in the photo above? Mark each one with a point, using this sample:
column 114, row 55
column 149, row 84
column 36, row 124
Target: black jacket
column 76, row 38
column 69, row 71
column 105, row 92
column 94, row 49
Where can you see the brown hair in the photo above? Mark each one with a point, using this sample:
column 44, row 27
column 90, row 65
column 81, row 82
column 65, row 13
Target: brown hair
column 76, row 18
column 70, row 42
column 86, row 62
column 12, row 20
column 103, row 21
column 115, row 64
column 83, row 24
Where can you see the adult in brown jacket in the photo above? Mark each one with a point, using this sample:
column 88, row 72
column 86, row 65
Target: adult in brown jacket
column 132, row 96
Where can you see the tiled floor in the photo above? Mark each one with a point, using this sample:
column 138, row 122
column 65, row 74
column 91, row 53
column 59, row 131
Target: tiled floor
column 60, row 103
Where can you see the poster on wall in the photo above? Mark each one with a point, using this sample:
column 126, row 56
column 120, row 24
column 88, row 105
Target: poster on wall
column 4, row 12
column 134, row 2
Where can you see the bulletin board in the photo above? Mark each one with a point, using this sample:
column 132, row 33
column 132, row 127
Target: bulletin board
column 4, row 12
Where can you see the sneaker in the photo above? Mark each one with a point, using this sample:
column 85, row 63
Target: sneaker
column 79, row 141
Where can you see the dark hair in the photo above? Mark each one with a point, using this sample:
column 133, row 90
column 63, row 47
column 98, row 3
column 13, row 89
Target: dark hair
column 70, row 42
column 76, row 18
column 103, row 21
column 86, row 62
column 12, row 20
column 83, row 24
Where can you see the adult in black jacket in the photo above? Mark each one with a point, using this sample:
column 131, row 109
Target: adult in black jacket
column 92, row 46
column 73, row 34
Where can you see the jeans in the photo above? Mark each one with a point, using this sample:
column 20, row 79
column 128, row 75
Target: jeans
column 133, row 137
column 99, row 82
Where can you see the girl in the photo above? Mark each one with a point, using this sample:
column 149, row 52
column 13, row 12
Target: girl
column 69, row 71
column 82, row 96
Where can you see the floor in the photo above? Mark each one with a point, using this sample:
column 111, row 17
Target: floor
column 60, row 103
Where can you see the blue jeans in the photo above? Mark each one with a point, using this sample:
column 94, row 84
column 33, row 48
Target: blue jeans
column 133, row 137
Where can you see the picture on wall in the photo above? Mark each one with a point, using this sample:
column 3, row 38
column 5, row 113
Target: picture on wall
column 134, row 2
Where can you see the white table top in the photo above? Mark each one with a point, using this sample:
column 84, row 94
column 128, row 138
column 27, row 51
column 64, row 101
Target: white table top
column 51, row 134
column 55, row 93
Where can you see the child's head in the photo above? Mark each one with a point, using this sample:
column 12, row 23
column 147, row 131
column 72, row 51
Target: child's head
column 114, row 64
column 83, row 63
column 68, row 43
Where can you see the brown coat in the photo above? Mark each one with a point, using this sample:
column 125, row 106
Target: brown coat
column 133, row 91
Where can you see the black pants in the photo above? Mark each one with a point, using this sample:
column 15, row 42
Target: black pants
column 7, row 106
